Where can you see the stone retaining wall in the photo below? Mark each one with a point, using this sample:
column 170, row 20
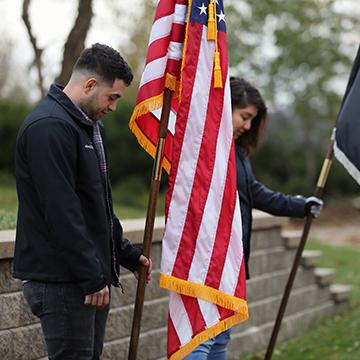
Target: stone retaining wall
column 312, row 299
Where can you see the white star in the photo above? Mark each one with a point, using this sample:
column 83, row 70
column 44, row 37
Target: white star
column 202, row 9
column 221, row 17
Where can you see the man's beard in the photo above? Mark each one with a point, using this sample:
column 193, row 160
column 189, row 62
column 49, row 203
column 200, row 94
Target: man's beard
column 91, row 108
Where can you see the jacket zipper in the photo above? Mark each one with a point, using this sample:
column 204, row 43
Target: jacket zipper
column 118, row 283
column 114, row 260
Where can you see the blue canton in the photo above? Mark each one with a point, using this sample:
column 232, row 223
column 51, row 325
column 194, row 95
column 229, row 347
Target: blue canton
column 199, row 13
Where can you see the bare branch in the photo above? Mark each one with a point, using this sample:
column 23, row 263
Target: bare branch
column 75, row 42
column 37, row 50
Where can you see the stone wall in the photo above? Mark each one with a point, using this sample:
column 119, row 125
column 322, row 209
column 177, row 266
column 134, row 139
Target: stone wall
column 312, row 299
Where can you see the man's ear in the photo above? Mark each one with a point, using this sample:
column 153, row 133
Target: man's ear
column 89, row 85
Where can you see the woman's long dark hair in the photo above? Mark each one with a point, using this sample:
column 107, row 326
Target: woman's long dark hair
column 244, row 94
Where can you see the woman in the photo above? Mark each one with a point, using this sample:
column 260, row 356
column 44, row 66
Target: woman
column 249, row 115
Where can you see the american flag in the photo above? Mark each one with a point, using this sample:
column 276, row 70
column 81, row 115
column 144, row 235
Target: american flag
column 346, row 144
column 202, row 260
column 162, row 69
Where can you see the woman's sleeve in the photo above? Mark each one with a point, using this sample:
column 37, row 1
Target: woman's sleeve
column 275, row 203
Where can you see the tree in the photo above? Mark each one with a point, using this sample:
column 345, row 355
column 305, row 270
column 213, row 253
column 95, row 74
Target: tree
column 75, row 42
column 135, row 50
column 5, row 62
column 33, row 40
column 295, row 51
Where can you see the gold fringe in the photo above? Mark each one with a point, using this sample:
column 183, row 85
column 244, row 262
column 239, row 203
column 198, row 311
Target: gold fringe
column 170, row 82
column 217, row 71
column 211, row 35
column 204, row 292
column 147, row 106
column 208, row 334
column 143, row 108
column 148, row 145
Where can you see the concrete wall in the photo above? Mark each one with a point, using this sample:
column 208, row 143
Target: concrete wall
column 312, row 299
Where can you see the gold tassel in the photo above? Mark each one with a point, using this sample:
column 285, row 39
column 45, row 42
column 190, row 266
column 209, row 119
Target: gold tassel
column 211, row 22
column 217, row 71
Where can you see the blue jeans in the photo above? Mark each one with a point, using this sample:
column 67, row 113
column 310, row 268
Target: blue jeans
column 71, row 329
column 213, row 349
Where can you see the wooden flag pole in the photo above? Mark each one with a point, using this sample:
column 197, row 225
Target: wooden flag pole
column 318, row 193
column 149, row 225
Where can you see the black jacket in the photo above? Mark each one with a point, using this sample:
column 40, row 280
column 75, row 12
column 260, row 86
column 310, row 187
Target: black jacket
column 253, row 194
column 66, row 229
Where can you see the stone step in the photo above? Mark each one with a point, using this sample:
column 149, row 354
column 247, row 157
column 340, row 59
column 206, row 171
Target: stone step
column 271, row 284
column 269, row 260
column 7, row 238
column 291, row 238
column 261, row 286
column 341, row 293
column 7, row 283
column 256, row 338
column 262, row 311
column 16, row 312
column 264, row 239
column 154, row 341
column 310, row 258
column 26, row 342
column 22, row 343
column 265, row 310
column 129, row 283
column 250, row 339
column 134, row 228
column 119, row 322
column 324, row 276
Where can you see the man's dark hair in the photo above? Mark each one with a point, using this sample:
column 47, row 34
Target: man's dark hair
column 106, row 62
column 244, row 94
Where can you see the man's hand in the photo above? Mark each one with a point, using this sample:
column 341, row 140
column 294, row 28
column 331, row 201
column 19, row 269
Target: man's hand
column 143, row 261
column 99, row 299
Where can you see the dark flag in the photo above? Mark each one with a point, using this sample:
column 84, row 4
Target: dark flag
column 347, row 141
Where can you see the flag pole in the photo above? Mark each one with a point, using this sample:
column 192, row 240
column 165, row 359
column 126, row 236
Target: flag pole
column 318, row 193
column 149, row 224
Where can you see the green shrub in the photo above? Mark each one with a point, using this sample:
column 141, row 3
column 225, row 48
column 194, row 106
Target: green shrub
column 11, row 117
column 280, row 164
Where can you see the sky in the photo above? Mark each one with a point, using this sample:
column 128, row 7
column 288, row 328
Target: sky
column 52, row 20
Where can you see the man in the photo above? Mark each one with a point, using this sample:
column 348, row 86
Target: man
column 69, row 243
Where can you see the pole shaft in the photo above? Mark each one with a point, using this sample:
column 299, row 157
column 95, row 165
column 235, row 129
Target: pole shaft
column 149, row 225
column 318, row 193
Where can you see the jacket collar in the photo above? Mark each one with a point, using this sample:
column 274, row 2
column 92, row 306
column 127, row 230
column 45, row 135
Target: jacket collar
column 240, row 151
column 56, row 92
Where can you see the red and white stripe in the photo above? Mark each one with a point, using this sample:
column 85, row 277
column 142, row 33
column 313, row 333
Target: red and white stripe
column 164, row 57
column 165, row 47
column 202, row 243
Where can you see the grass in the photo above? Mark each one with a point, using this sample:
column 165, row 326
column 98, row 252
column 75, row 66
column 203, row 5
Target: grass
column 8, row 207
column 337, row 338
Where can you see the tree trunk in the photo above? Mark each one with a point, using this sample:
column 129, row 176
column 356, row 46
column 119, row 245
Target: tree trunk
column 37, row 50
column 75, row 42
